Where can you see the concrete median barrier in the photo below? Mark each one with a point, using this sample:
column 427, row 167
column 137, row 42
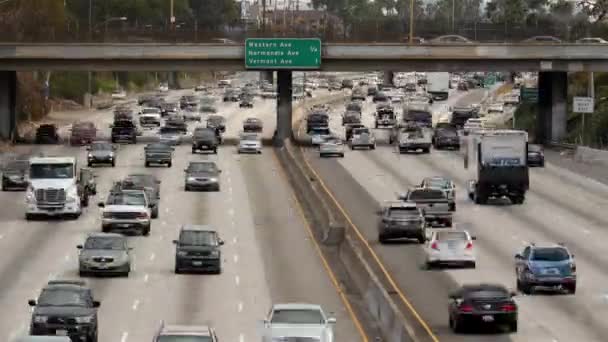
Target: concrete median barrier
column 332, row 230
column 590, row 155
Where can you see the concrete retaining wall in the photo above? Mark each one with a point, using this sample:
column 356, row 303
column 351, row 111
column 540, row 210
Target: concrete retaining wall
column 591, row 155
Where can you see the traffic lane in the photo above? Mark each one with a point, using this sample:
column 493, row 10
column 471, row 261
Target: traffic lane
column 565, row 161
column 427, row 291
column 514, row 227
column 192, row 298
column 286, row 243
column 542, row 318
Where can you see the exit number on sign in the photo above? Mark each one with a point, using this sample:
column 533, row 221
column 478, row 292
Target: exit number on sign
column 279, row 53
column 582, row 104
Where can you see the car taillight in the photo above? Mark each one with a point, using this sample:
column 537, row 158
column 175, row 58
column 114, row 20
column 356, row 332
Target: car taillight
column 142, row 215
column 465, row 308
column 508, row 308
column 435, row 246
column 469, row 245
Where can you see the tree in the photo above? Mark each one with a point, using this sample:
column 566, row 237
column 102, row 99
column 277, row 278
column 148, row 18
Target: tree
column 507, row 11
column 596, row 9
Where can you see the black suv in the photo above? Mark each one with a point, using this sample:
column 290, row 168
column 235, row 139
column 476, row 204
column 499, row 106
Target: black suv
column 124, row 130
column 205, row 139
column 47, row 134
column 198, row 250
column 480, row 305
column 65, row 307
column 401, row 220
column 159, row 154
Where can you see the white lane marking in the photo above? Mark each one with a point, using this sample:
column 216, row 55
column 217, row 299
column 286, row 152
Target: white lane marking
column 124, row 337
column 524, row 242
column 235, row 240
column 230, row 190
column 67, row 257
column 514, row 237
column 152, row 256
column 236, row 258
column 1, row 237
column 237, row 280
column 135, row 305
column 164, row 223
column 231, row 212
column 229, row 180
column 146, row 277
column 167, row 210
column 241, row 338
column 240, row 307
column 586, row 231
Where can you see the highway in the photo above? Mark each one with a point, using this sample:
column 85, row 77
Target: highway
column 268, row 257
column 560, row 207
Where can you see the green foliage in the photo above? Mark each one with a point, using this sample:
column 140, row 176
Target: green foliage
column 525, row 117
column 69, row 85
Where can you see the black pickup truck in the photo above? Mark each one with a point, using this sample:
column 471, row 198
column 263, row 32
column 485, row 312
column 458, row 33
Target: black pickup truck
column 124, row 131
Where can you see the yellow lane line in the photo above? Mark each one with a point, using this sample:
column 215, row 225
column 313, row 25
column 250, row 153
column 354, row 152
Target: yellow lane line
column 330, row 272
column 386, row 273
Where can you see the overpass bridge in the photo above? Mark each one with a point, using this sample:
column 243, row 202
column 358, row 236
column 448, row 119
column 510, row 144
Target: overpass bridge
column 552, row 61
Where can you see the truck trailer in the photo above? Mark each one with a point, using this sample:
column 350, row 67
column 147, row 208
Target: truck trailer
column 496, row 161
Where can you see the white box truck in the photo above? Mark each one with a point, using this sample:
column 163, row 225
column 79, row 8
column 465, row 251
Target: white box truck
column 438, row 85
column 496, row 161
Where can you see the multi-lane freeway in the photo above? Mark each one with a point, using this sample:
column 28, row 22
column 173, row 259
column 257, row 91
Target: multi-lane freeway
column 560, row 207
column 268, row 256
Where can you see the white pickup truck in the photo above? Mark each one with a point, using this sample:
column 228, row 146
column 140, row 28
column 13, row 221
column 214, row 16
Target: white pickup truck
column 126, row 211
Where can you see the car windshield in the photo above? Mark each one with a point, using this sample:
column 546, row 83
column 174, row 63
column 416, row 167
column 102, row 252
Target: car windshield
column 113, row 243
column 448, row 133
column 550, row 254
column 353, row 107
column 438, row 183
column 359, row 131
column 320, row 131
column 82, row 126
column 158, row 147
column 294, row 316
column 443, row 236
column 402, row 212
column 202, row 167
column 534, row 148
column 486, row 293
column 419, row 116
column 141, row 179
column 60, row 297
column 170, row 130
column 184, row 338
column 204, row 133
column 198, row 238
column 52, row 171
column 151, row 111
column 215, row 119
column 249, row 137
column 126, row 198
column 425, row 195
column 100, row 147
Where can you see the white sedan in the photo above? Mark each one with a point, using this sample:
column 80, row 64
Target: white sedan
column 119, row 95
column 450, row 247
column 295, row 321
column 331, row 147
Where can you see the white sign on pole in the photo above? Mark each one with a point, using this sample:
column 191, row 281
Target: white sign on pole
column 582, row 104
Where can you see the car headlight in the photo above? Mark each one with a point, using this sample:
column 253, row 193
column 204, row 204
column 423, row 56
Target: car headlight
column 215, row 254
column 191, row 179
column 90, row 156
column 182, row 253
column 84, row 319
column 213, row 179
column 40, row 319
column 107, row 215
column 30, row 197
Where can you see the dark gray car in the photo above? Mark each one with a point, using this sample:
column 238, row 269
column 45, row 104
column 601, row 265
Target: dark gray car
column 159, row 154
column 14, row 175
column 198, row 250
column 101, row 152
column 104, row 253
column 203, row 175
column 401, row 221
column 205, row 139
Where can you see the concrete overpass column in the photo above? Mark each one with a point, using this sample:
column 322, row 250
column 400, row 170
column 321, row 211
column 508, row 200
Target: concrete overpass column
column 388, row 78
column 8, row 103
column 552, row 106
column 284, row 107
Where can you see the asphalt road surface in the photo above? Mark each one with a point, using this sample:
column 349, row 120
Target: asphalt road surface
column 560, row 207
column 268, row 257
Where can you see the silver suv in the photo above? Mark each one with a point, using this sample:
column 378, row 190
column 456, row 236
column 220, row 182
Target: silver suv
column 194, row 333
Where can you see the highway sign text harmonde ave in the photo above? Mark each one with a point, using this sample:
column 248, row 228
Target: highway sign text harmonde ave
column 279, row 53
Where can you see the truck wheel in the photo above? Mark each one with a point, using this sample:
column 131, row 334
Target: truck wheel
column 452, row 206
column 571, row 288
column 147, row 164
column 29, row 217
column 85, row 201
column 169, row 164
column 215, row 151
column 146, row 231
column 479, row 197
column 89, row 164
column 193, row 150
column 113, row 163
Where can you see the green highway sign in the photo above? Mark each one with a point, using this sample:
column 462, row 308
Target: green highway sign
column 529, row 95
column 283, row 53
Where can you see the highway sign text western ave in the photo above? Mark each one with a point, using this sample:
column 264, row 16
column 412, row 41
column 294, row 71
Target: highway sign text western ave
column 279, row 53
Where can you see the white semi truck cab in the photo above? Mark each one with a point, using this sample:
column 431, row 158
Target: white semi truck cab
column 53, row 188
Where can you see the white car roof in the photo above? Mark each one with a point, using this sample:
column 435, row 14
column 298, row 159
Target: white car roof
column 296, row 306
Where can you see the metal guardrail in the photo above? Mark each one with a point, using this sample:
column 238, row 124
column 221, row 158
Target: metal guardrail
column 565, row 146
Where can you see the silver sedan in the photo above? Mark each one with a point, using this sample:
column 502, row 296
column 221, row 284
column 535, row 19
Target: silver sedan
column 331, row 147
column 250, row 143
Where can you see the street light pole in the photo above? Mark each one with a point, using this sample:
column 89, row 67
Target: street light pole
column 90, row 74
column 453, row 16
column 411, row 38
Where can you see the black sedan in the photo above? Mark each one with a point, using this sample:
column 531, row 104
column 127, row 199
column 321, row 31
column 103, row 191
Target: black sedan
column 481, row 305
column 217, row 122
column 253, row 125
column 536, row 156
